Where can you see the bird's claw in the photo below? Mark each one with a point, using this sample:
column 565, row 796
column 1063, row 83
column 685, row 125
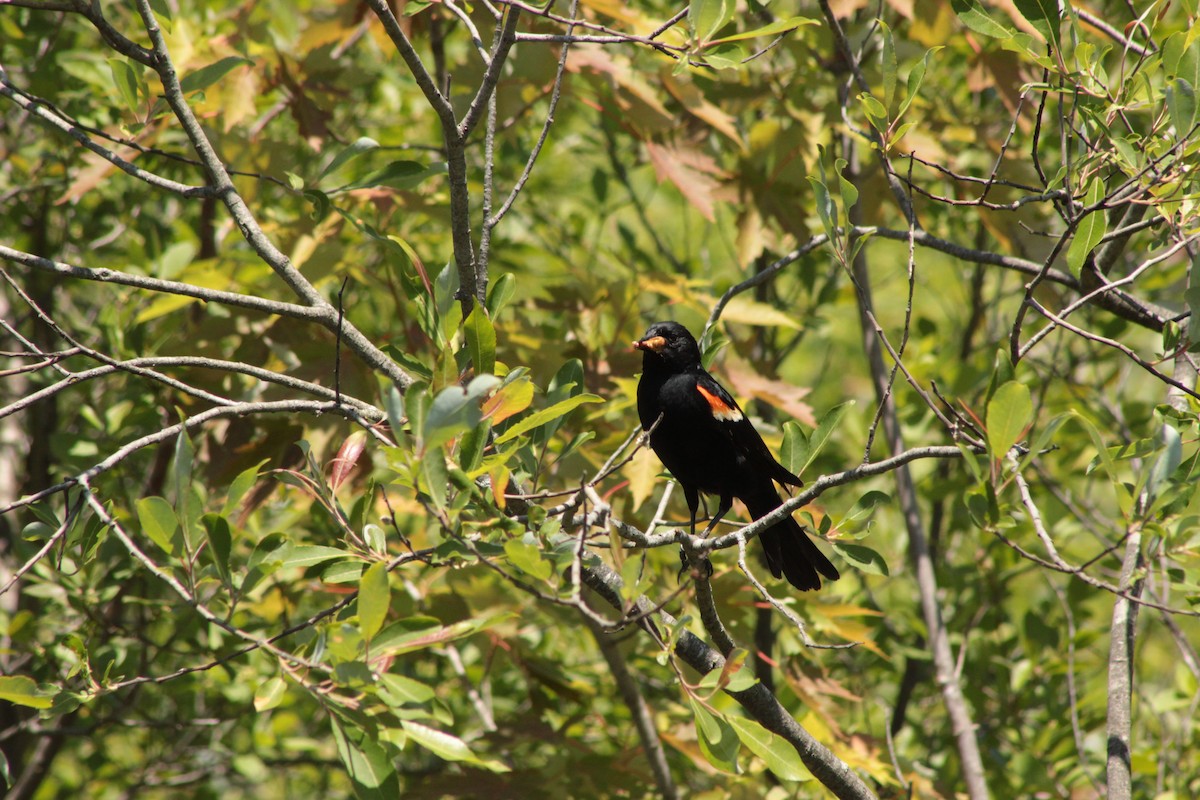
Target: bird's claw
column 685, row 565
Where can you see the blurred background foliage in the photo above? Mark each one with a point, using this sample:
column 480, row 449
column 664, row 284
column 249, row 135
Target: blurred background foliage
column 667, row 178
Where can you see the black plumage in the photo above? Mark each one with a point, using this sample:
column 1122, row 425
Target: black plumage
column 707, row 443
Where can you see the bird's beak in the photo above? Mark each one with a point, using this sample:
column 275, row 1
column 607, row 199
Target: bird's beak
column 653, row 344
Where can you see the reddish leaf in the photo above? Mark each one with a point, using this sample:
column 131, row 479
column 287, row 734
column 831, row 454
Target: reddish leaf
column 693, row 173
column 777, row 394
column 347, row 457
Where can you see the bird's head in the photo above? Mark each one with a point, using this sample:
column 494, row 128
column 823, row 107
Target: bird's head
column 671, row 343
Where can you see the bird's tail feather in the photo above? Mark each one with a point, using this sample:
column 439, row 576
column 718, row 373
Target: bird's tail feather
column 789, row 550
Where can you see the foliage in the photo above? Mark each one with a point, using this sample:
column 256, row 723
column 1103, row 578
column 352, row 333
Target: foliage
column 320, row 466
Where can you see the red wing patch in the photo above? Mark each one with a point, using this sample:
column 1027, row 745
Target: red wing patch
column 720, row 409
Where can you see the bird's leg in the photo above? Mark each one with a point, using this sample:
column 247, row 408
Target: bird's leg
column 722, row 509
column 693, row 501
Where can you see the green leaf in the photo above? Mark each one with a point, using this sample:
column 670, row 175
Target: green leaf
column 305, row 555
column 23, row 691
column 187, row 509
column 403, row 175
column 1043, row 15
column 780, row 757
column 242, row 484
column 888, row 65
column 1167, row 462
column 734, row 676
column 825, row 429
column 862, row 558
column 1009, row 413
column 374, row 599
column 1181, row 103
column 320, row 203
column 527, row 557
column 220, row 543
column 434, row 476
column 916, row 76
column 447, row 746
column 773, row 29
column 706, row 17
column 1089, row 231
column 363, row 144
column 413, row 634
column 717, row 739
column 793, row 454
column 269, row 694
column 158, row 522
column 481, row 340
column 126, row 79
column 398, row 689
column 451, row 412
column 535, row 420
column 207, row 76
column 874, row 110
column 366, row 761
column 502, row 290
column 866, row 505
column 973, row 15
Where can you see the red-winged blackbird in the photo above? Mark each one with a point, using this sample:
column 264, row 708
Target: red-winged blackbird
column 707, row 443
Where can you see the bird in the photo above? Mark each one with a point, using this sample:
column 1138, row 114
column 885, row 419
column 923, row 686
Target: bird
column 705, row 441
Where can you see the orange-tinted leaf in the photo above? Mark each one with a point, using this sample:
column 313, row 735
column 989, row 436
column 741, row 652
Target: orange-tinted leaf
column 694, row 101
column 693, row 173
column 499, row 486
column 777, row 394
column 511, row 399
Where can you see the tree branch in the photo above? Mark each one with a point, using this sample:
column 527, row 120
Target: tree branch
column 760, row 703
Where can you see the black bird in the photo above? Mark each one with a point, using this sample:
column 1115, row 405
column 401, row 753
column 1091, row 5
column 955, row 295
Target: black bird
column 707, row 443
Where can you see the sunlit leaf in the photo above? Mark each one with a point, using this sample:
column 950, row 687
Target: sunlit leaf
column 1090, row 231
column 862, row 558
column 539, row 418
column 269, row 694
column 374, row 599
column 23, row 691
column 973, row 15
column 158, row 521
column 528, row 558
column 1044, row 15
column 363, row 144
column 780, row 757
column 1009, row 413
column 481, row 340
column 448, row 746
column 773, row 29
column 718, row 741
column 207, row 76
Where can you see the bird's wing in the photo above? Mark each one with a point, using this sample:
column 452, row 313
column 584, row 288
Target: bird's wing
column 730, row 419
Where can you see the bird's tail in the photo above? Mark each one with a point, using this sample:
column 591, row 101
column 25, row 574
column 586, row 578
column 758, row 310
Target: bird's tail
column 789, row 550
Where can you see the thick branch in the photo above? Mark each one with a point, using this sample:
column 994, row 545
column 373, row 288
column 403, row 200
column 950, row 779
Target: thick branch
column 758, row 701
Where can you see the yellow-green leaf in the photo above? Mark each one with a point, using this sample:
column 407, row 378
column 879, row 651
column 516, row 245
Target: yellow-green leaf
column 1009, row 412
column 374, row 599
column 1089, row 231
column 269, row 694
column 781, row 758
column 549, row 414
column 158, row 522
column 22, row 691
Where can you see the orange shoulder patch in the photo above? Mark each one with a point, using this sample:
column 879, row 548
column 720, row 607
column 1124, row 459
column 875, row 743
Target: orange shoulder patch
column 720, row 409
